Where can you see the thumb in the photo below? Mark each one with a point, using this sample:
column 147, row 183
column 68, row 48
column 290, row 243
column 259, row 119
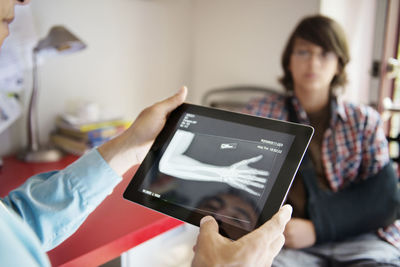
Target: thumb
column 174, row 101
column 208, row 225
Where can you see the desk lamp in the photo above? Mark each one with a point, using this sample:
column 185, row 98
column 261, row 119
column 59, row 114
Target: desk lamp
column 58, row 41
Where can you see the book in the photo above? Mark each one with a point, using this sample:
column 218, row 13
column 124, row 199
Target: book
column 93, row 133
column 93, row 136
column 70, row 145
column 87, row 127
column 79, row 138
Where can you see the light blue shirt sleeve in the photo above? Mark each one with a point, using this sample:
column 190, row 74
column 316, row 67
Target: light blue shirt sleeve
column 55, row 204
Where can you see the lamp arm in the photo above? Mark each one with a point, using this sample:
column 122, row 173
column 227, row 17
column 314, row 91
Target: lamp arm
column 33, row 141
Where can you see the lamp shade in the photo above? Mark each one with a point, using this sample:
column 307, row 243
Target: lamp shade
column 61, row 40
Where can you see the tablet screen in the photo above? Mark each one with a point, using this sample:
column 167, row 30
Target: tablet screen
column 211, row 165
column 209, row 159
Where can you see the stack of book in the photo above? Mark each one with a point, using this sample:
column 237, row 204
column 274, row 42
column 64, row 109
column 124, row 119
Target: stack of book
column 77, row 139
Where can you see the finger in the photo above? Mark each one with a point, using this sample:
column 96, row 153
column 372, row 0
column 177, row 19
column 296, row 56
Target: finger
column 273, row 250
column 247, row 161
column 255, row 159
column 208, row 232
column 247, row 182
column 260, row 172
column 208, row 225
column 252, row 178
column 245, row 188
column 174, row 101
column 241, row 186
column 253, row 172
column 277, row 245
column 276, row 225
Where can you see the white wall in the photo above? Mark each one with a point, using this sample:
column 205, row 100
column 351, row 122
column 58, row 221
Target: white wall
column 241, row 41
column 358, row 19
column 140, row 51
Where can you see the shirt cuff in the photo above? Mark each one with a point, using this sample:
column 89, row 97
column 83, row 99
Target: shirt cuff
column 95, row 179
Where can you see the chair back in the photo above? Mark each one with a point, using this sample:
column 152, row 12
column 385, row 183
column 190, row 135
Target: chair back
column 234, row 98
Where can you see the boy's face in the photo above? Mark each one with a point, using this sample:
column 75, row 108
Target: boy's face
column 6, row 16
column 312, row 68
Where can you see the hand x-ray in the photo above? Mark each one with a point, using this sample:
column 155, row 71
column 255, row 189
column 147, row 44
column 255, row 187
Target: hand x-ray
column 177, row 161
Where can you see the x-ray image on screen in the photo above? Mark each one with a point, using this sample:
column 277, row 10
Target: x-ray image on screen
column 208, row 160
column 177, row 161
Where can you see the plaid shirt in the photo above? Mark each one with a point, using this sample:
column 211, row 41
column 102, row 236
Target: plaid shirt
column 354, row 146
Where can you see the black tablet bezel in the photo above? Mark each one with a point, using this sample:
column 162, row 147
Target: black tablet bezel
column 302, row 136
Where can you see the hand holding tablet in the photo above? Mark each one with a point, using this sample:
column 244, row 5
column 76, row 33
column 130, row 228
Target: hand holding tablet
column 234, row 167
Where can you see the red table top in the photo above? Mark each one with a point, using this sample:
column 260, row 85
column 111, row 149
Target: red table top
column 114, row 227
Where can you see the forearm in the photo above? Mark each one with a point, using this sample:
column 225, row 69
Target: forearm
column 361, row 208
column 121, row 154
column 55, row 204
column 187, row 168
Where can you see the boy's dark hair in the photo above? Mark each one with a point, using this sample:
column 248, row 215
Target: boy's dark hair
column 324, row 32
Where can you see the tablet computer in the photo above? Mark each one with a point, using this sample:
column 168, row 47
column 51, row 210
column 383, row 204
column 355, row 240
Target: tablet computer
column 237, row 168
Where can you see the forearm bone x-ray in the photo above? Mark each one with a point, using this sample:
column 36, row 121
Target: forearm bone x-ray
column 238, row 175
